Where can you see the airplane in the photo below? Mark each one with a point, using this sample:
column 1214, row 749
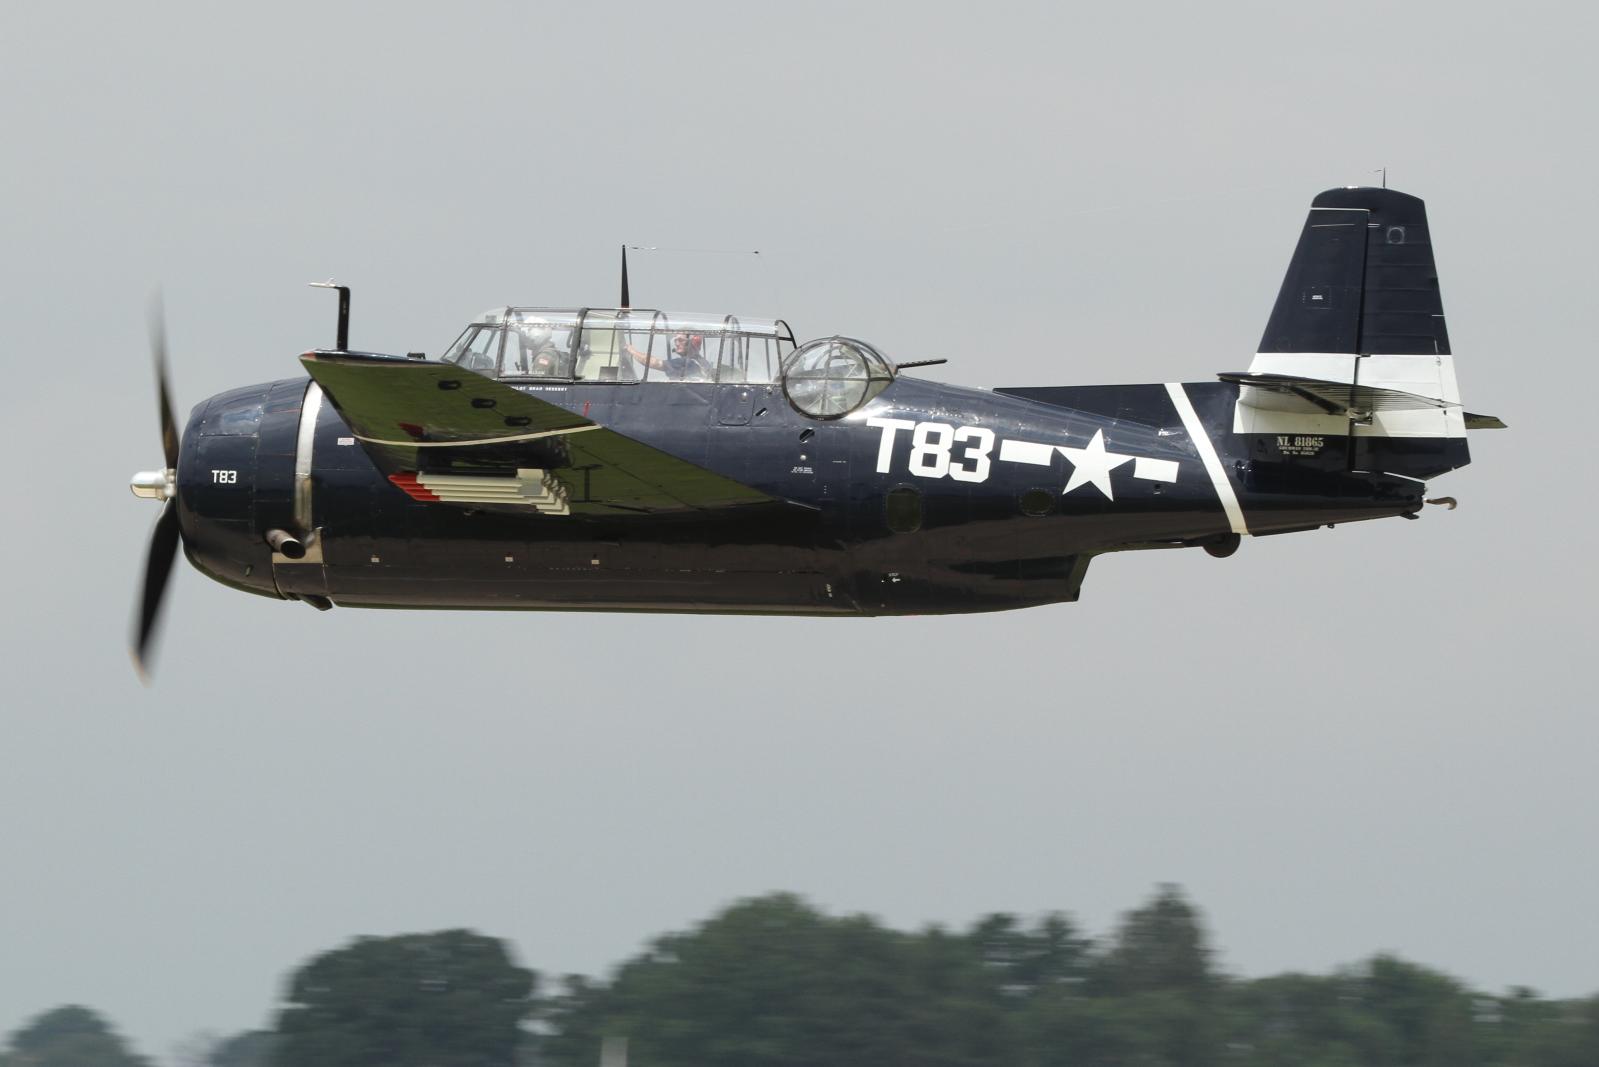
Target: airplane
column 629, row 459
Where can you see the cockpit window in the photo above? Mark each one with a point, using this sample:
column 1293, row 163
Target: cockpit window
column 622, row 345
column 677, row 354
column 830, row 378
column 537, row 346
column 746, row 356
column 477, row 349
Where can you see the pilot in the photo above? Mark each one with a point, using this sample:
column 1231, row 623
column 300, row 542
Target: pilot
column 685, row 362
column 540, row 357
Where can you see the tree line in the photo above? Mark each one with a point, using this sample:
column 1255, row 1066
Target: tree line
column 775, row 982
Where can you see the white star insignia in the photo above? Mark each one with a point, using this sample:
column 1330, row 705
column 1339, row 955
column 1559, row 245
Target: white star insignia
column 1092, row 464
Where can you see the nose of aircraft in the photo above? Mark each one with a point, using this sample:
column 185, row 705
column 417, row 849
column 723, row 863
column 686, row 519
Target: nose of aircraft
column 219, row 485
column 234, row 474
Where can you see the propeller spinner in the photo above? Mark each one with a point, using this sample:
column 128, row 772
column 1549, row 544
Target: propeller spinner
column 158, row 485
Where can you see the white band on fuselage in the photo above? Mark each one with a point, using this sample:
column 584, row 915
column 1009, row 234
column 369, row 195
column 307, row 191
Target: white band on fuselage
column 1426, row 375
column 1208, row 456
column 304, row 444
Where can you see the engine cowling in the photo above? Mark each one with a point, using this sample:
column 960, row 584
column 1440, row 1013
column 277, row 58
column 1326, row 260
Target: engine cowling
column 236, row 481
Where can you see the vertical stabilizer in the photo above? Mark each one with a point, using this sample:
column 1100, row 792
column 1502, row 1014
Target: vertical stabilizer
column 1362, row 280
column 1359, row 305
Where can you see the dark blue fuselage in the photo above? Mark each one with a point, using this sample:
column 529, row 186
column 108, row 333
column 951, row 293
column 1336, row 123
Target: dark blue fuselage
column 931, row 499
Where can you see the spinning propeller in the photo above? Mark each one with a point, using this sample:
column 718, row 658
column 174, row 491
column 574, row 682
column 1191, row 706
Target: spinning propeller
column 158, row 485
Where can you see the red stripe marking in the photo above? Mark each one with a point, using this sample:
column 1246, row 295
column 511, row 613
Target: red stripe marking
column 406, row 480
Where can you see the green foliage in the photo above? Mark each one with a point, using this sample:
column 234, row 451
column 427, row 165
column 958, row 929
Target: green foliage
column 69, row 1036
column 1428, row 1014
column 449, row 999
column 253, row 1048
column 1568, row 1038
column 1159, row 948
column 1302, row 1019
column 774, row 982
column 1146, row 999
column 1026, row 963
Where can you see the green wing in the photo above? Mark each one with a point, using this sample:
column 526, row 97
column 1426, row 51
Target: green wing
column 447, row 434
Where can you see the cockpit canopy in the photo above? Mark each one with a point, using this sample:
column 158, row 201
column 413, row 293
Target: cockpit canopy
column 622, row 345
column 824, row 379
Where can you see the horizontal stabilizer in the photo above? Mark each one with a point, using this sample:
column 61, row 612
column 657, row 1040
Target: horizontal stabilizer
column 1483, row 422
column 1280, row 392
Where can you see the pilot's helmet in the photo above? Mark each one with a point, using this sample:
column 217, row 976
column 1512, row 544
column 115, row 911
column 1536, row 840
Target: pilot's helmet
column 692, row 343
column 535, row 332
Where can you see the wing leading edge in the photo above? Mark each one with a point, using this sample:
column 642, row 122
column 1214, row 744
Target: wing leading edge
column 445, row 434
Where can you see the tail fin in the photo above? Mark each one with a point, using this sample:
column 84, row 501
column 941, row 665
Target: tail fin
column 1359, row 307
column 1362, row 280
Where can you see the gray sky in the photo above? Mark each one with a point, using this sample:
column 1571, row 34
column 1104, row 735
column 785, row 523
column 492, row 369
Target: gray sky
column 1370, row 738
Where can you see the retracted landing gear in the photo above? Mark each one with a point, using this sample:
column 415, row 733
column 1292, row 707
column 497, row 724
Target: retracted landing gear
column 1224, row 546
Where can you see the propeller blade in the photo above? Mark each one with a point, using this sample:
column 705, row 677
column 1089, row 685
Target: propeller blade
column 158, row 350
column 157, row 569
column 626, row 300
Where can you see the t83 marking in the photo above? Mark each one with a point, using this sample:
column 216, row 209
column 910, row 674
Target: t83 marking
column 932, row 445
column 964, row 453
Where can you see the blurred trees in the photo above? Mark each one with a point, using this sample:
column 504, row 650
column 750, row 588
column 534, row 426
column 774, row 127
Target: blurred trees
column 448, row 999
column 253, row 1048
column 69, row 1036
column 774, row 982
column 1151, row 995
